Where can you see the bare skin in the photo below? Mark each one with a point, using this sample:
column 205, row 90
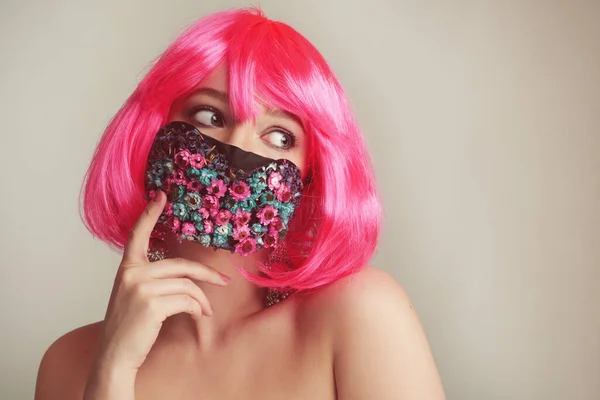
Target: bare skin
column 164, row 338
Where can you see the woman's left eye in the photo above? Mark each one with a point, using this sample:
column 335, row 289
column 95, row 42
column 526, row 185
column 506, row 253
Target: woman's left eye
column 280, row 139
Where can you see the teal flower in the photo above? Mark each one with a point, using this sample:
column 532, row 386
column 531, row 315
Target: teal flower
column 285, row 209
column 157, row 168
column 224, row 230
column 205, row 240
column 268, row 198
column 196, row 217
column 207, row 175
column 219, row 240
column 258, row 229
column 193, row 200
column 180, row 211
column 258, row 182
column 192, row 173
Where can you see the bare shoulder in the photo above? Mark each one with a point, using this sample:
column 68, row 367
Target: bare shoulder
column 379, row 349
column 63, row 370
column 371, row 289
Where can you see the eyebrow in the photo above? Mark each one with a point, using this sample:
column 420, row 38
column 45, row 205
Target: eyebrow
column 274, row 112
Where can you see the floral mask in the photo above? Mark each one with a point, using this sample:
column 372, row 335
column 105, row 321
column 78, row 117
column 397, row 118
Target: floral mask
column 220, row 195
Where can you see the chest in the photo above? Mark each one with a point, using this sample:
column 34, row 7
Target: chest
column 268, row 362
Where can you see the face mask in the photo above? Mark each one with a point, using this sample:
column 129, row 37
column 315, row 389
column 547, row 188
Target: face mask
column 220, row 195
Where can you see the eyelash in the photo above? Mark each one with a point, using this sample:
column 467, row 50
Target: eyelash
column 292, row 137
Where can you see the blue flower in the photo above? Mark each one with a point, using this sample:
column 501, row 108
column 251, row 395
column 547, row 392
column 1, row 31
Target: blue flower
column 285, row 209
column 196, row 217
column 258, row 182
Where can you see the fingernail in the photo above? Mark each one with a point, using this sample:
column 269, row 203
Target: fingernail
column 225, row 277
column 157, row 195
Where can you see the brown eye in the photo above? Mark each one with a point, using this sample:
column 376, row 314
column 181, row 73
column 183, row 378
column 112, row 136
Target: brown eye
column 280, row 139
column 208, row 117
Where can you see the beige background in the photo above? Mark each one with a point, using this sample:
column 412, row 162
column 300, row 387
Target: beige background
column 483, row 119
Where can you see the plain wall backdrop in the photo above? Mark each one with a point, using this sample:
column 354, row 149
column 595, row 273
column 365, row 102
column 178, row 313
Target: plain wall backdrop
column 483, row 120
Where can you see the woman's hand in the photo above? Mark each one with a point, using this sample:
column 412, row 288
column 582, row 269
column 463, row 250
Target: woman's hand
column 143, row 296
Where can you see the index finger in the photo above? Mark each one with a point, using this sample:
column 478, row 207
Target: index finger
column 137, row 244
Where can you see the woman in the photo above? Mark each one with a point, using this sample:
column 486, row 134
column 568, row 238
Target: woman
column 291, row 311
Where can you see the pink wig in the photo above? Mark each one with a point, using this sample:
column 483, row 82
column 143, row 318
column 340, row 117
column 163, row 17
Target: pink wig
column 336, row 228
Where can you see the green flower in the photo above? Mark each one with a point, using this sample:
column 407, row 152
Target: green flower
column 285, row 209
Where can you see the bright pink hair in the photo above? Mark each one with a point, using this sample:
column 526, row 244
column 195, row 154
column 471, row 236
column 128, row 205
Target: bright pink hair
column 336, row 228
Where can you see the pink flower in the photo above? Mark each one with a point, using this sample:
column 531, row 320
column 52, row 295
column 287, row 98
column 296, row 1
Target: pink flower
column 174, row 223
column 223, row 217
column 182, row 159
column 241, row 217
column 283, row 193
column 274, row 180
column 208, row 227
column 267, row 214
column 241, row 232
column 276, row 224
column 204, row 212
column 239, row 191
column 194, row 186
column 271, row 239
column 217, row 188
column 188, row 229
column 210, row 202
column 179, row 177
column 246, row 246
column 197, row 161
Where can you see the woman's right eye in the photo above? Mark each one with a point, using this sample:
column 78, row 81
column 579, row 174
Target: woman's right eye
column 208, row 117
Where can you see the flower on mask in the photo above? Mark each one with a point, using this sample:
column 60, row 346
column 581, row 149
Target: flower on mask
column 194, row 186
column 267, row 214
column 197, row 161
column 223, row 217
column 208, row 227
column 241, row 217
column 219, row 240
column 205, row 240
column 283, row 193
column 271, row 239
column 241, row 232
column 277, row 224
column 188, row 229
column 179, row 177
column 258, row 182
column 204, row 213
column 193, row 200
column 182, row 159
column 246, row 246
column 207, row 175
column 274, row 180
column 258, row 229
column 217, row 188
column 210, row 202
column 180, row 211
column 239, row 190
column 224, row 230
column 192, row 173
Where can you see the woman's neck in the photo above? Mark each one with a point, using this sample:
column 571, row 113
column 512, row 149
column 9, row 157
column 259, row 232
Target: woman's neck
column 231, row 304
